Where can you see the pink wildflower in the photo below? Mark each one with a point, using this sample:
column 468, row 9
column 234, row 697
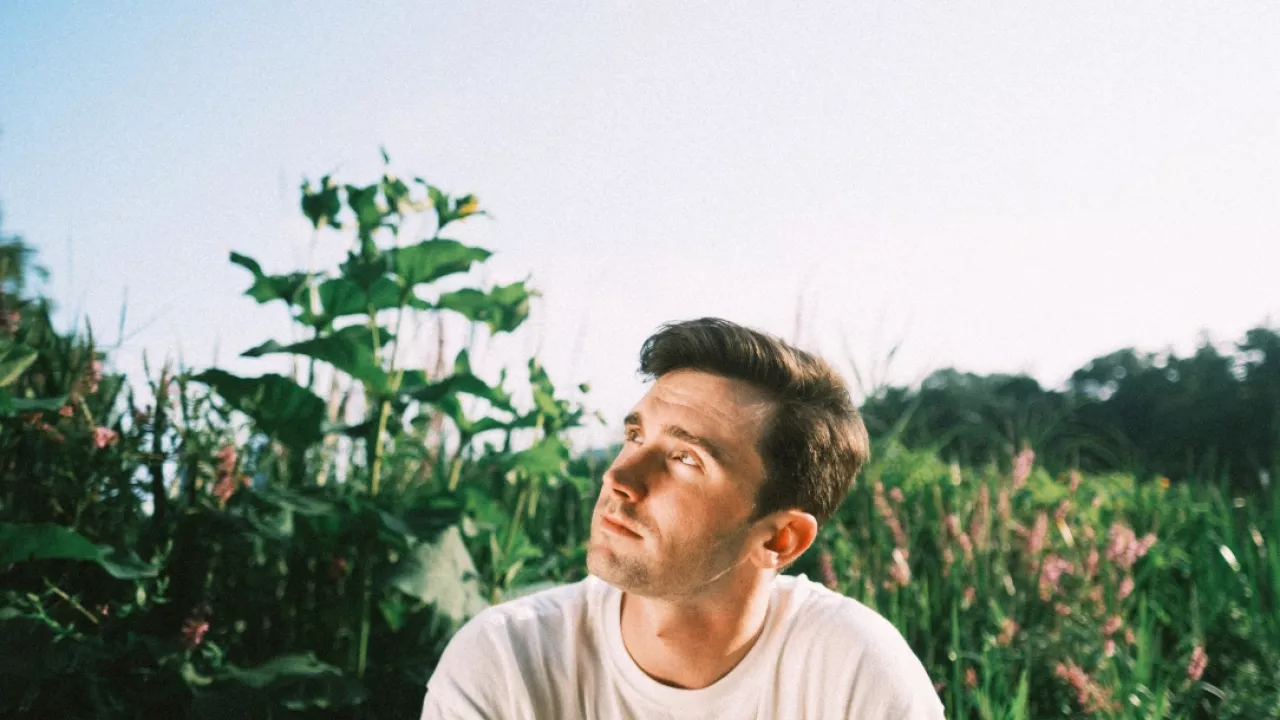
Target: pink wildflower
column 970, row 594
column 66, row 411
column 970, row 678
column 896, row 495
column 899, row 570
column 1091, row 563
column 224, row 489
column 1035, row 543
column 226, row 458
column 1091, row 696
column 827, row 569
column 1124, row 548
column 104, row 437
column 979, row 521
column 1199, row 660
column 1113, row 623
column 891, row 519
column 1126, row 588
column 1129, row 637
column 9, row 321
column 1109, row 647
column 1008, row 629
column 1095, row 596
column 1051, row 572
column 50, row 431
column 337, row 568
column 1022, row 468
column 953, row 525
column 1062, row 609
column 93, row 377
column 1075, row 482
column 193, row 632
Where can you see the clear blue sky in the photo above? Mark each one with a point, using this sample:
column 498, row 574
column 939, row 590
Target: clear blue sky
column 1003, row 186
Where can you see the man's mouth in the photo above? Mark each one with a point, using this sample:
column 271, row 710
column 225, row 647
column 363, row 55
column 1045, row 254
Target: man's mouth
column 617, row 527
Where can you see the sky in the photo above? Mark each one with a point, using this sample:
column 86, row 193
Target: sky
column 992, row 186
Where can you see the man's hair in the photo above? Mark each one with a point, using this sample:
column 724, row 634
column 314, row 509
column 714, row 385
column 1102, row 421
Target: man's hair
column 814, row 441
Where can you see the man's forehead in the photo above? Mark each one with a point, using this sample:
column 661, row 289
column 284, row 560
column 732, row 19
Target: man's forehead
column 711, row 401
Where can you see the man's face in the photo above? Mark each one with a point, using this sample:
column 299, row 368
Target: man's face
column 684, row 483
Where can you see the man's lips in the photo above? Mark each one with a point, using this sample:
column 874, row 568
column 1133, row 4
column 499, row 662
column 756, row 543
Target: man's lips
column 618, row 527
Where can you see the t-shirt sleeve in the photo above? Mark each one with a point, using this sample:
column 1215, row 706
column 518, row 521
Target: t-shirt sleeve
column 898, row 684
column 468, row 683
column 871, row 672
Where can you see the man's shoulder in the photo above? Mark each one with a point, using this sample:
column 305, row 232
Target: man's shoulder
column 852, row 645
column 819, row 609
column 544, row 605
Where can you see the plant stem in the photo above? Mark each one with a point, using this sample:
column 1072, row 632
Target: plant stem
column 60, row 593
column 375, row 460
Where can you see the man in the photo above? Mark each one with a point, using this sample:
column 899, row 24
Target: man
column 740, row 450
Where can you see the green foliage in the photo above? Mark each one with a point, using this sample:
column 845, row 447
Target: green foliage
column 279, row 407
column 1033, row 595
column 1206, row 416
column 257, row 546
column 305, row 545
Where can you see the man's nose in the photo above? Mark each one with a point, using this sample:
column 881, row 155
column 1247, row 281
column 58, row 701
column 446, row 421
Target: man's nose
column 629, row 475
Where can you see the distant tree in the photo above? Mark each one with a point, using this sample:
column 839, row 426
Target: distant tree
column 1210, row 415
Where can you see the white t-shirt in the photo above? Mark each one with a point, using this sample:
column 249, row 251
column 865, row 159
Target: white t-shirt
column 559, row 654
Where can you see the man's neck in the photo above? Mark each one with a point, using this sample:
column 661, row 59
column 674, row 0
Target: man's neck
column 692, row 643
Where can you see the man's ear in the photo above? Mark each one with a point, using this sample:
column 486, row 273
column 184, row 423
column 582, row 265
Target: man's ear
column 792, row 532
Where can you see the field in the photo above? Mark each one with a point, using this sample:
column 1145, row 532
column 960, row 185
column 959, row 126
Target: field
column 304, row 545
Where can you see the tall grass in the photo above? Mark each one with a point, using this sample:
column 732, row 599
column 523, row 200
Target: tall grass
column 1028, row 595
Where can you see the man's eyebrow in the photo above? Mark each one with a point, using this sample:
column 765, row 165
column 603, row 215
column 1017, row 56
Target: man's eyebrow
column 680, row 433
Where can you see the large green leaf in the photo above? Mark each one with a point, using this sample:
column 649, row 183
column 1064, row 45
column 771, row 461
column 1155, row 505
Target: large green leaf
column 343, row 297
column 49, row 404
column 14, row 359
column 350, row 349
column 449, row 209
column 548, row 457
column 125, row 565
column 296, row 681
column 280, row 407
column 364, row 203
column 367, row 267
column 461, row 381
column 265, row 287
column 452, row 408
column 322, row 206
column 442, row 573
column 26, row 542
column 431, row 260
column 502, row 308
column 397, row 194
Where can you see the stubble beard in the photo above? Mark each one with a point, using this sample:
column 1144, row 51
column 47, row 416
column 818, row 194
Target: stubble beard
column 681, row 573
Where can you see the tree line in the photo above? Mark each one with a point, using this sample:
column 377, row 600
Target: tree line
column 1212, row 415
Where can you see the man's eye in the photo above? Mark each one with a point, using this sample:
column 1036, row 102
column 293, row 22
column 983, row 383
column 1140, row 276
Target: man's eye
column 632, row 435
column 688, row 459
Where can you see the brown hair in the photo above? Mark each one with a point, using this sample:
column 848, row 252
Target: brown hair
column 814, row 443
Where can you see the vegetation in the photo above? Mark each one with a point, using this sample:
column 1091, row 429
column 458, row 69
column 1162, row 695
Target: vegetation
column 1214, row 415
column 304, row 545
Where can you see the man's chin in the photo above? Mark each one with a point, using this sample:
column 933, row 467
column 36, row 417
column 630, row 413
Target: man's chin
column 604, row 563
